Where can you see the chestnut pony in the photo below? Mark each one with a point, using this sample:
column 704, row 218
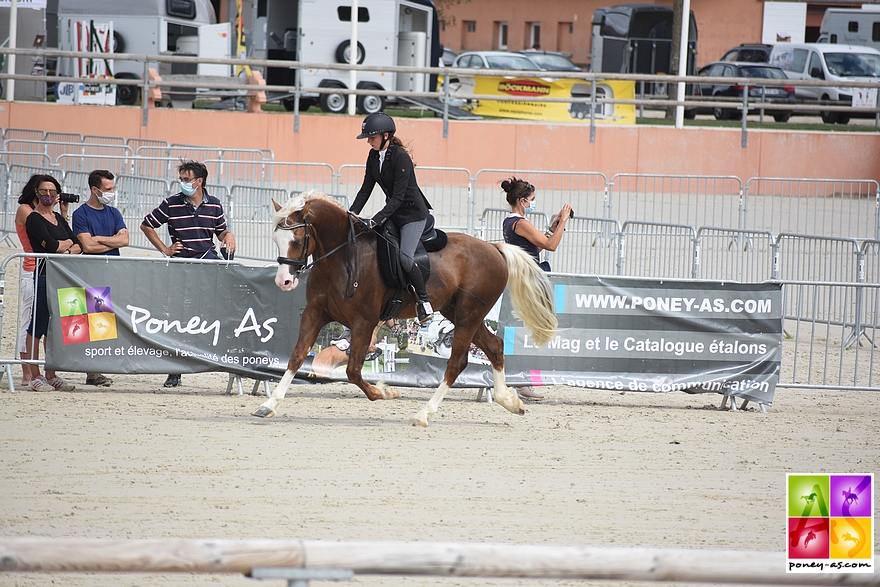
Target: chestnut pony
column 344, row 284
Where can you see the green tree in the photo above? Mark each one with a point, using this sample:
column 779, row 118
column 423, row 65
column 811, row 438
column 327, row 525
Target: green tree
column 444, row 7
column 672, row 89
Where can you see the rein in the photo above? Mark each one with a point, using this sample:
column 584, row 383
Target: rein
column 351, row 260
column 300, row 265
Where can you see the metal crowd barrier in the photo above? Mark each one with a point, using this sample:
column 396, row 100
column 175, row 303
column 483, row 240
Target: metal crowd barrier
column 826, row 207
column 677, row 199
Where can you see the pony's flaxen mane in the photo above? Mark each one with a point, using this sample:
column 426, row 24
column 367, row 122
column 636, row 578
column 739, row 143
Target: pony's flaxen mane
column 297, row 203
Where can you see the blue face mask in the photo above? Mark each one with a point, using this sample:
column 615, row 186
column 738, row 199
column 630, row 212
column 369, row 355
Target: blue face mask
column 532, row 206
column 187, row 188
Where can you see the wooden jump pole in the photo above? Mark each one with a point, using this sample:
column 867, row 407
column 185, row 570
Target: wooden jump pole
column 444, row 559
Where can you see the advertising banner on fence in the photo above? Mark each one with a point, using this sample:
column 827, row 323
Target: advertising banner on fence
column 124, row 316
column 622, row 334
column 547, row 88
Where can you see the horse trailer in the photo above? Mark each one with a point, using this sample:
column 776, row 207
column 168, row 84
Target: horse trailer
column 390, row 32
column 147, row 27
column 637, row 38
column 851, row 26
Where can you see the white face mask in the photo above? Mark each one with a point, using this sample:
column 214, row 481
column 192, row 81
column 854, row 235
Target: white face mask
column 107, row 198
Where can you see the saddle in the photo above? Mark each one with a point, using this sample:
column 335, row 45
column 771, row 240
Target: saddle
column 388, row 256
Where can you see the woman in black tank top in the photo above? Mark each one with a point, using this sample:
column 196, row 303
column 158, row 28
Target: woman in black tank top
column 522, row 233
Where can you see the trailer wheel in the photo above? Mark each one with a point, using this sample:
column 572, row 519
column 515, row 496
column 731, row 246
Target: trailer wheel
column 335, row 103
column 370, row 104
column 127, row 95
column 118, row 43
column 343, row 52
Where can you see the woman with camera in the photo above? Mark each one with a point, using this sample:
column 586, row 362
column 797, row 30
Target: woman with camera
column 522, row 233
column 47, row 232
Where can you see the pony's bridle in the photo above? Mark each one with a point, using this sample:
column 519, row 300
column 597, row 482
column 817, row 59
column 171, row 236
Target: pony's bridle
column 300, row 265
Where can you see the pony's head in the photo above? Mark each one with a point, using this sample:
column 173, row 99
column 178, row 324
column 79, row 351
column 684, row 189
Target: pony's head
column 294, row 234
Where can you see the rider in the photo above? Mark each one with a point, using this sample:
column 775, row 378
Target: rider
column 389, row 164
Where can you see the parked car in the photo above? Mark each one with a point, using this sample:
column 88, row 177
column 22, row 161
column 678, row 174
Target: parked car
column 753, row 53
column 775, row 94
column 824, row 61
column 448, row 57
column 550, row 60
column 495, row 60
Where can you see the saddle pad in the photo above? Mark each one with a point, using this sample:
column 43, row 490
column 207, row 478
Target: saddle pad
column 387, row 246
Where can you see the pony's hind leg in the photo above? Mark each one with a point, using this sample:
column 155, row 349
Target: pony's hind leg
column 493, row 347
column 426, row 413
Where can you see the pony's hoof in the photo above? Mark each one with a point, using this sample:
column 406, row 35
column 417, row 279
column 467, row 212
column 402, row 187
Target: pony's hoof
column 387, row 392
column 419, row 423
column 263, row 412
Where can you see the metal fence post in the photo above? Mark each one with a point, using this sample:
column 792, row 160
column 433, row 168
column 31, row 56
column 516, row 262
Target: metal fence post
column 858, row 328
column 745, row 112
column 445, row 106
column 696, row 267
column 145, row 96
column 593, row 110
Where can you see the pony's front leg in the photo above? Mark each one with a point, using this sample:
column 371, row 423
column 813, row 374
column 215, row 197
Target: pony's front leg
column 310, row 326
column 361, row 337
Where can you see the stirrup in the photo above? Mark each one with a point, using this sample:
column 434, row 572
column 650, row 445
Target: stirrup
column 424, row 311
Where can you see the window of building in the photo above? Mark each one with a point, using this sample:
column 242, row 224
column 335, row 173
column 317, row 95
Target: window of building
column 470, row 26
column 534, row 35
column 501, row 36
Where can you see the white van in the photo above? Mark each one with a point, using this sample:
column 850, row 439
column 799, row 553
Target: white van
column 823, row 61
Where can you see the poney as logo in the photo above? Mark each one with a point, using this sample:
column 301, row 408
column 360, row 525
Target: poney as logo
column 524, row 87
column 86, row 314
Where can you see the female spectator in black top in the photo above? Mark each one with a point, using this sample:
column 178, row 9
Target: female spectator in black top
column 520, row 232
column 48, row 232
column 389, row 165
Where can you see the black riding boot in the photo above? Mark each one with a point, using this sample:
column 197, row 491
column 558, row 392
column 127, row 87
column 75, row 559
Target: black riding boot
column 423, row 306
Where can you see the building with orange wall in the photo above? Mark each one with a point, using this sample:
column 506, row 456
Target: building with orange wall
column 565, row 25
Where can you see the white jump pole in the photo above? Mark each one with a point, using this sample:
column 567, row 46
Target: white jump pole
column 682, row 61
column 446, row 559
column 353, row 57
column 13, row 40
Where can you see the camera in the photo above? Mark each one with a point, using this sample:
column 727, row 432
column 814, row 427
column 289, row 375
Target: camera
column 571, row 213
column 70, row 198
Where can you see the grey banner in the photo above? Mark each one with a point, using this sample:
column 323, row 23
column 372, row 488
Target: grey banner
column 155, row 316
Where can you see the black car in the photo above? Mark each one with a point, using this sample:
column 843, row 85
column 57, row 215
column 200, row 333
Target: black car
column 775, row 93
column 754, row 53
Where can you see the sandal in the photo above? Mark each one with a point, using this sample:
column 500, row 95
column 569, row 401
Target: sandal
column 98, row 380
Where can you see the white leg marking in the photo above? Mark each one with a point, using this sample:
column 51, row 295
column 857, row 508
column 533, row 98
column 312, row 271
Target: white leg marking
column 426, row 413
column 278, row 394
column 504, row 395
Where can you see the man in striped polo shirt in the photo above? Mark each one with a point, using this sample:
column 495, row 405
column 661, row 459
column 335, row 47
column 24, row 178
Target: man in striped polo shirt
column 193, row 217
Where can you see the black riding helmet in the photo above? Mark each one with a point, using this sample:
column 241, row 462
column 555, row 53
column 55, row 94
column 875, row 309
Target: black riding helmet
column 377, row 123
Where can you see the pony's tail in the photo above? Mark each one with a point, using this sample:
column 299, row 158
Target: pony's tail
column 531, row 293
